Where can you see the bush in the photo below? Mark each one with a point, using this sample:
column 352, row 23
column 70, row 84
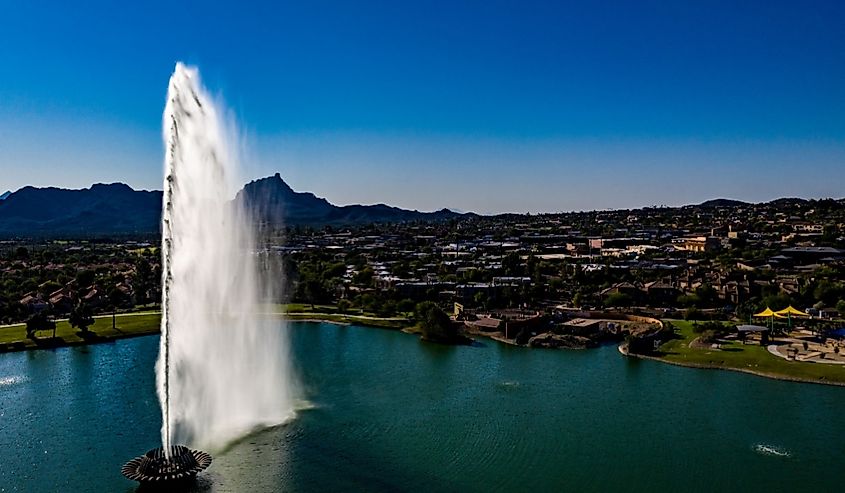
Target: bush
column 715, row 327
column 692, row 313
column 343, row 306
column 708, row 336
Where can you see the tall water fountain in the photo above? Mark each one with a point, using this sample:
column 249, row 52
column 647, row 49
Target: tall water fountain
column 223, row 368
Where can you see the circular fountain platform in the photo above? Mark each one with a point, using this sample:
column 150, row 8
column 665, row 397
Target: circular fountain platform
column 154, row 467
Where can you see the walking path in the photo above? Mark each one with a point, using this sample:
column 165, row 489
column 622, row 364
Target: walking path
column 811, row 356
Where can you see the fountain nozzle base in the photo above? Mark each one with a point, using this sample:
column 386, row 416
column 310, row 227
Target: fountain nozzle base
column 155, row 467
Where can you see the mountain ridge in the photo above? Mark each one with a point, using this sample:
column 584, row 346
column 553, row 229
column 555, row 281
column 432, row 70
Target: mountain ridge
column 117, row 209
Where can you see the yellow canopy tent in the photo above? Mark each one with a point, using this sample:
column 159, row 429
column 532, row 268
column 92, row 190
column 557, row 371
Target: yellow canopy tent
column 790, row 310
column 765, row 313
column 769, row 314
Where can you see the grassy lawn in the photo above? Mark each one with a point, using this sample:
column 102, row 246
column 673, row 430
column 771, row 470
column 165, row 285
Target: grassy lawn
column 292, row 309
column 126, row 325
column 385, row 323
column 735, row 355
column 130, row 324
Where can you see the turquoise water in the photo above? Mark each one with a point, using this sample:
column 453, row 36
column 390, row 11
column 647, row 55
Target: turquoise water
column 390, row 413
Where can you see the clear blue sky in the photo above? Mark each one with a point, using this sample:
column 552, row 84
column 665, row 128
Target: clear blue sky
column 486, row 106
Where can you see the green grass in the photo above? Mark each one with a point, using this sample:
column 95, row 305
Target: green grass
column 132, row 324
column 306, row 308
column 750, row 357
column 383, row 323
column 127, row 325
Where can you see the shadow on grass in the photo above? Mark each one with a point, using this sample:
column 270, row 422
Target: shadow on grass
column 48, row 342
column 89, row 336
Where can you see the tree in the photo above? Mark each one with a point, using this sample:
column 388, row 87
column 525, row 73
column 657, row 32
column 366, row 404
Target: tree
column 707, row 295
column 313, row 290
column 364, row 277
column 689, row 300
column 618, row 300
column 387, row 309
column 435, row 323
column 828, row 292
column 39, row 321
column 405, row 306
column 49, row 287
column 512, row 264
column 81, row 317
column 21, row 253
column 117, row 297
column 85, row 278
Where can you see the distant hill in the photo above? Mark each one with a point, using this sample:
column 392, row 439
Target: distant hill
column 723, row 203
column 788, row 202
column 273, row 202
column 103, row 209
column 118, row 210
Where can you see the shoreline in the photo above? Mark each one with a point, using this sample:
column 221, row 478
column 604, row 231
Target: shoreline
column 398, row 324
column 701, row 366
column 50, row 343
column 19, row 346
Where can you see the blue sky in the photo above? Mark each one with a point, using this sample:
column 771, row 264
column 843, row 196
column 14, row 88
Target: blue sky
column 485, row 106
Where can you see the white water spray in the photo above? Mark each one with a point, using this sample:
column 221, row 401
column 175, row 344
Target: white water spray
column 223, row 367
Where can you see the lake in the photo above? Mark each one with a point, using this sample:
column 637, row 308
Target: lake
column 390, row 413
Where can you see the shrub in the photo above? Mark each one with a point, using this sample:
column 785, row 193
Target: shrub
column 343, row 306
column 692, row 313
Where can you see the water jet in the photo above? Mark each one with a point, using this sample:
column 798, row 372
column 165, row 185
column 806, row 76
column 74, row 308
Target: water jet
column 222, row 369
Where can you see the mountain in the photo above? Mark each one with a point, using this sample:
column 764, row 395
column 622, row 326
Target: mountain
column 116, row 209
column 722, row 203
column 5, row 194
column 273, row 202
column 103, row 209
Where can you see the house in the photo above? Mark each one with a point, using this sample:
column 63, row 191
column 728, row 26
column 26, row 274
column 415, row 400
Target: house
column 812, row 254
column 93, row 297
column 701, row 244
column 33, row 302
column 828, row 313
column 61, row 300
column 661, row 292
column 623, row 288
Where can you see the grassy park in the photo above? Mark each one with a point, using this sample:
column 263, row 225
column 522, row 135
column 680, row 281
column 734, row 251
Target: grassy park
column 331, row 313
column 752, row 358
column 13, row 337
column 125, row 325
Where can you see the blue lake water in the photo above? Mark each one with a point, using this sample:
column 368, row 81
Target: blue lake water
column 390, row 413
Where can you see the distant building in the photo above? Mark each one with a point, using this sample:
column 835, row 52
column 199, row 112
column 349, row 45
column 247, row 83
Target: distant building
column 812, row 254
column 700, row 244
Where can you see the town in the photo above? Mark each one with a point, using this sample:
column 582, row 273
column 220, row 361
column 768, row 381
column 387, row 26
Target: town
column 721, row 260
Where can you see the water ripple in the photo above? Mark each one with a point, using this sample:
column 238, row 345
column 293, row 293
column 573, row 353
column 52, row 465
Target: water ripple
column 12, row 380
column 771, row 450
